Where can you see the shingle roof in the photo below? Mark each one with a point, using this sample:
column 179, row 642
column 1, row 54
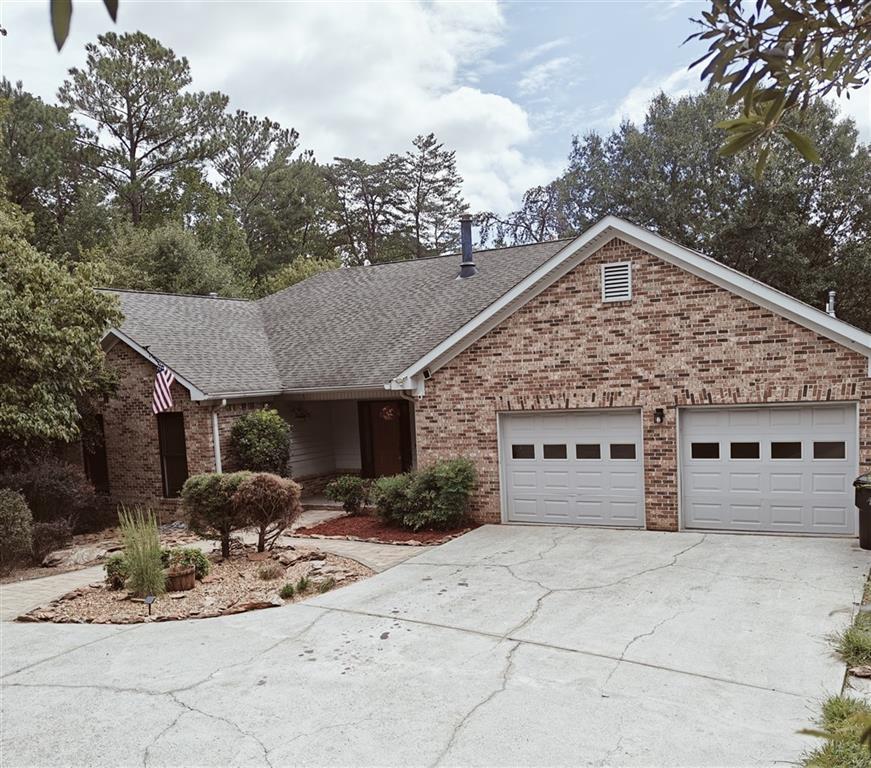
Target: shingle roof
column 354, row 327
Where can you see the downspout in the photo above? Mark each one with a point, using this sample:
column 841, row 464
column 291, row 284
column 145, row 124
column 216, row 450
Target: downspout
column 216, row 436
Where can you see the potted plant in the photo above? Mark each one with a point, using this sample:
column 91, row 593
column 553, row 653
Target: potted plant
column 181, row 573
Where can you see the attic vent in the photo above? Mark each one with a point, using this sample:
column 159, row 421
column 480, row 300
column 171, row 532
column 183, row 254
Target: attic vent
column 617, row 281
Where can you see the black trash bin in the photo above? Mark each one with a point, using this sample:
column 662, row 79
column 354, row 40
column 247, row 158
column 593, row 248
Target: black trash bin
column 862, row 484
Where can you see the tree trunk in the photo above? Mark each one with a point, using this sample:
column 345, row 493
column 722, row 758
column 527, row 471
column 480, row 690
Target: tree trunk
column 261, row 539
column 225, row 545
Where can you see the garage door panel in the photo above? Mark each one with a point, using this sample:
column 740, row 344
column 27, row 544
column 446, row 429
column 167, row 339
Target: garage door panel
column 574, row 479
column 782, row 468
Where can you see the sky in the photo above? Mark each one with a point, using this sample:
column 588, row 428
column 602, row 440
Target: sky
column 505, row 84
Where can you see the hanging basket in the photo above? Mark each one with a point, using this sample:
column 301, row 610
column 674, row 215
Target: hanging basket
column 180, row 579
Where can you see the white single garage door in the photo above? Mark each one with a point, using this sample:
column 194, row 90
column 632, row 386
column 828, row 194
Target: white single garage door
column 575, row 467
column 783, row 469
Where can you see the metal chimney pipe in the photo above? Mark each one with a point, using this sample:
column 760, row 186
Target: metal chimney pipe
column 467, row 265
column 830, row 304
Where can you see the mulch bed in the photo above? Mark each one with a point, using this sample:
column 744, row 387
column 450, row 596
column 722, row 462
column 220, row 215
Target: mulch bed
column 368, row 527
column 233, row 586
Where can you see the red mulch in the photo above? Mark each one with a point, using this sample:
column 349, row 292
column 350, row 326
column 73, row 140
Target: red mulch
column 372, row 527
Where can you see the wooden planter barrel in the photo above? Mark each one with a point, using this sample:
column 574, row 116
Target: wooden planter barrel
column 181, row 579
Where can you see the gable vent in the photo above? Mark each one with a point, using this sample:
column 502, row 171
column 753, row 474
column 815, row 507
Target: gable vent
column 617, row 281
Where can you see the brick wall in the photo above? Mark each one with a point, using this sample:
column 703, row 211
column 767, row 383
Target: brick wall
column 132, row 442
column 680, row 341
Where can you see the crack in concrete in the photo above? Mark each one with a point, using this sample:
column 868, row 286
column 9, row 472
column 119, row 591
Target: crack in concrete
column 458, row 728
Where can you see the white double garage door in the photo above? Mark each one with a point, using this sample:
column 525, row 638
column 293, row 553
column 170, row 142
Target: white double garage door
column 785, row 469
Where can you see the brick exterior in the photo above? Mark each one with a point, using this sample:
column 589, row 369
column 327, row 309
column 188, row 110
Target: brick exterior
column 132, row 442
column 680, row 341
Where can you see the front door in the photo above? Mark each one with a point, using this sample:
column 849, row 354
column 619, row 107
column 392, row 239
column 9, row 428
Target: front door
column 385, row 434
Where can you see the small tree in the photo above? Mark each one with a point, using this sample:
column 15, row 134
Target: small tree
column 15, row 529
column 269, row 502
column 261, row 442
column 208, row 501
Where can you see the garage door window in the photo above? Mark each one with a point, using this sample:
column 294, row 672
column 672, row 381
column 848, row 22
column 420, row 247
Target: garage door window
column 622, row 450
column 786, row 450
column 744, row 450
column 588, row 451
column 705, row 450
column 830, row 450
column 523, row 451
column 555, row 451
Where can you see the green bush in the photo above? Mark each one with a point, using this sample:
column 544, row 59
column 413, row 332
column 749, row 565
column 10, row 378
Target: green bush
column 270, row 571
column 58, row 490
column 208, row 501
column 116, row 571
column 302, row 585
column 185, row 557
column 269, row 502
column 260, row 441
column 351, row 490
column 392, row 497
column 142, row 552
column 48, row 537
column 16, row 525
column 287, row 592
column 436, row 497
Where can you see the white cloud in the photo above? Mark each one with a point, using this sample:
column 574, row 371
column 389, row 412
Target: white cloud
column 354, row 79
column 858, row 106
column 541, row 76
column 633, row 106
column 528, row 54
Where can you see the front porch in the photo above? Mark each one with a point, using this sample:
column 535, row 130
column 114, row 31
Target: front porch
column 369, row 435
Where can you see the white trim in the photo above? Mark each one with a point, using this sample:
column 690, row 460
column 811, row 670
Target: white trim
column 195, row 392
column 696, row 263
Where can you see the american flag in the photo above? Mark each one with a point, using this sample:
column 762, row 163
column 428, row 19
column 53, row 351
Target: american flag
column 162, row 398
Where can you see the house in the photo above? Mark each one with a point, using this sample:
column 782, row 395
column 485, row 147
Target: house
column 615, row 379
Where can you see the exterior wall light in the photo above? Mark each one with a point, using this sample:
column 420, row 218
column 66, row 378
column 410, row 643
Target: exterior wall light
column 658, row 416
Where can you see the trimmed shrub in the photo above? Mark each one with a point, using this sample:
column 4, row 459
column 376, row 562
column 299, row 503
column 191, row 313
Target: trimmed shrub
column 48, row 537
column 185, row 557
column 436, row 497
column 392, row 499
column 269, row 502
column 261, row 442
column 351, row 490
column 16, row 524
column 142, row 552
column 270, row 571
column 116, row 571
column 208, row 501
column 58, row 490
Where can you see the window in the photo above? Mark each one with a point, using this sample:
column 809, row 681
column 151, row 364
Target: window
column 705, row 450
column 617, row 281
column 622, row 450
column 832, row 450
column 786, row 450
column 94, row 455
column 744, row 450
column 554, row 451
column 588, row 451
column 523, row 451
column 173, row 454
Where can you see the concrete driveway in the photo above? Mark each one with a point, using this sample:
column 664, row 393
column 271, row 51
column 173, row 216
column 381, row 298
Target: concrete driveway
column 509, row 646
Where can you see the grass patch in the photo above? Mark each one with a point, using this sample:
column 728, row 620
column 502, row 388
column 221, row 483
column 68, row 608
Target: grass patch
column 326, row 585
column 854, row 643
column 843, row 721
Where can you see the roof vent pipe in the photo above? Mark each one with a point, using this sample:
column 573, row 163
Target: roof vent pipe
column 830, row 304
column 467, row 265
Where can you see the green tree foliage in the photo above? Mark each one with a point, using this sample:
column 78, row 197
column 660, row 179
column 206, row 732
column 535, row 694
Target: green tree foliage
column 802, row 228
column 298, row 270
column 52, row 321
column 170, row 258
column 776, row 57
column 146, row 124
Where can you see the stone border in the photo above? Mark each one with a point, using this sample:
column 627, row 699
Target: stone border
column 410, row 543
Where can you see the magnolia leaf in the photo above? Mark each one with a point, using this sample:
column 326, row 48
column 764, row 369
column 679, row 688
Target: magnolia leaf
column 736, row 143
column 761, row 162
column 61, row 12
column 803, row 144
column 112, row 7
